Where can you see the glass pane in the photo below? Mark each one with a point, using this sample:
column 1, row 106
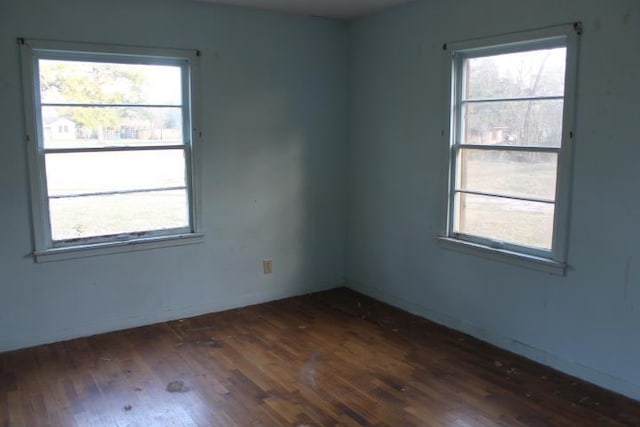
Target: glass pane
column 76, row 82
column 81, row 173
column 522, row 123
column 511, row 173
column 534, row 73
column 121, row 213
column 506, row 220
column 72, row 127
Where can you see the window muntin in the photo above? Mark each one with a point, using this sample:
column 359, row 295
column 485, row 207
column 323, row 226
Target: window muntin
column 506, row 141
column 123, row 169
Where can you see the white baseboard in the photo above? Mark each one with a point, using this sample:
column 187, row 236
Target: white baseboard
column 543, row 357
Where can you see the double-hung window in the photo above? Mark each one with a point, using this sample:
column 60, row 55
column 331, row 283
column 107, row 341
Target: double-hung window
column 110, row 134
column 510, row 141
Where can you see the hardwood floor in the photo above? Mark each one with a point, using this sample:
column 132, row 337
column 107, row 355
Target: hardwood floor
column 332, row 358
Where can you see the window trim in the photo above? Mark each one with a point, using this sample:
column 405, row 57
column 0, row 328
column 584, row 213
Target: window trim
column 44, row 248
column 555, row 260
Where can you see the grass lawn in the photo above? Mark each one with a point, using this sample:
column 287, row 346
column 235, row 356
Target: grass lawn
column 95, row 215
column 514, row 221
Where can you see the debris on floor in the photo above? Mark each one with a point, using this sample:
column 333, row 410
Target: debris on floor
column 137, row 389
column 308, row 373
column 177, row 387
column 211, row 343
column 128, row 407
column 199, row 328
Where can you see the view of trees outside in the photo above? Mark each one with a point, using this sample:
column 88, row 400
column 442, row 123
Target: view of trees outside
column 492, row 117
column 98, row 104
column 121, row 96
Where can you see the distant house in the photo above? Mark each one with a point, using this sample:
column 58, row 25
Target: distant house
column 58, row 128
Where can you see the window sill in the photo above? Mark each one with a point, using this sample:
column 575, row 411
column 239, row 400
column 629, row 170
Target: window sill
column 529, row 261
column 82, row 251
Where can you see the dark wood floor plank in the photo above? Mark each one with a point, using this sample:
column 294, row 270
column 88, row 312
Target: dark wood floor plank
column 335, row 358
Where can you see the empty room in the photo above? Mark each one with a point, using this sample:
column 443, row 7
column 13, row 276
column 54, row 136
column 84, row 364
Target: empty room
column 319, row 213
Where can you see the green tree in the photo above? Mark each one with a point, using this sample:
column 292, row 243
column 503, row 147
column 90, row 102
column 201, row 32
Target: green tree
column 92, row 83
column 523, row 75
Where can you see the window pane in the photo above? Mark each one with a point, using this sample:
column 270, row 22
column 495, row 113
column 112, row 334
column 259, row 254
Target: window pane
column 121, row 213
column 75, row 82
column 534, row 73
column 513, row 221
column 522, row 123
column 71, row 127
column 81, row 173
column 511, row 173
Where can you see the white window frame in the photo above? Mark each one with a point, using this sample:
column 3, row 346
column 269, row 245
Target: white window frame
column 555, row 260
column 45, row 248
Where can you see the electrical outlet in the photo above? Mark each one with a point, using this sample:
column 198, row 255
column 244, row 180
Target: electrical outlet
column 267, row 266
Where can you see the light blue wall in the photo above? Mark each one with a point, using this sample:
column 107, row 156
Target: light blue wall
column 586, row 323
column 273, row 95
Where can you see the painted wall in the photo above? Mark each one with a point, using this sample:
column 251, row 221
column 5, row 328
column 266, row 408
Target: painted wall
column 273, row 91
column 586, row 323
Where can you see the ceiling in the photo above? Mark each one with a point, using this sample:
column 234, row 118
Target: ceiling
column 339, row 9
